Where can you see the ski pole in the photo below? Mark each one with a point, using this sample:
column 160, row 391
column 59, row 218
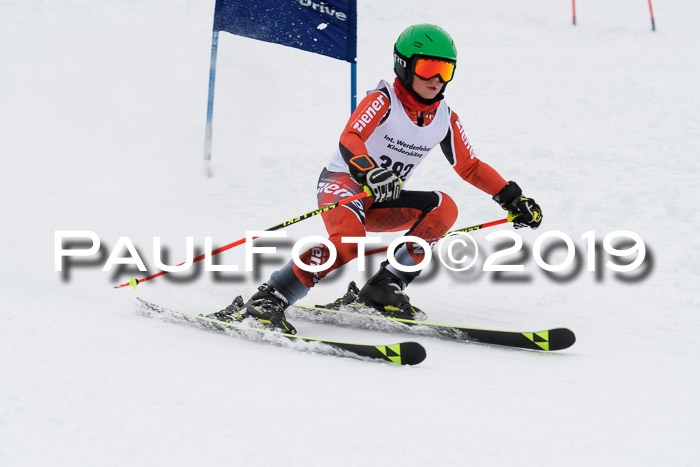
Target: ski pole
column 485, row 225
column 134, row 282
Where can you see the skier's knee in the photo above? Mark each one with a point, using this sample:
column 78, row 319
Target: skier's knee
column 447, row 209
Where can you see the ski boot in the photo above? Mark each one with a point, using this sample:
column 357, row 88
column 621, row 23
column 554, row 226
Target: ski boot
column 384, row 292
column 267, row 306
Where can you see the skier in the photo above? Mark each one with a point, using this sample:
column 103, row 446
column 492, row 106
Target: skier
column 389, row 134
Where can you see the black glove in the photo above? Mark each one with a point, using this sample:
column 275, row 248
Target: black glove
column 523, row 211
column 384, row 185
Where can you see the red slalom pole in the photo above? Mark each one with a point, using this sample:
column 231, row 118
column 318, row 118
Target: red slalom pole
column 134, row 282
column 573, row 4
column 651, row 12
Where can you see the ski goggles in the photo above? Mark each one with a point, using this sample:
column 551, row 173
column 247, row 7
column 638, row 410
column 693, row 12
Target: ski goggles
column 429, row 68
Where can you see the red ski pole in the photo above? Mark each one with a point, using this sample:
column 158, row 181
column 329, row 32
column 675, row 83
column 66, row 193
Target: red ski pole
column 134, row 282
column 485, row 225
column 573, row 4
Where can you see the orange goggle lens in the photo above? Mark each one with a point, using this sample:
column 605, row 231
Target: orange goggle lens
column 427, row 68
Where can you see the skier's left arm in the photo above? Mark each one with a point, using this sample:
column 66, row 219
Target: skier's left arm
column 460, row 154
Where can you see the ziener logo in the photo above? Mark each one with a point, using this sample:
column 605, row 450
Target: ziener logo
column 465, row 140
column 371, row 111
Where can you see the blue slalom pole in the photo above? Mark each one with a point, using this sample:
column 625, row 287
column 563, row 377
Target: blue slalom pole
column 353, row 86
column 210, row 104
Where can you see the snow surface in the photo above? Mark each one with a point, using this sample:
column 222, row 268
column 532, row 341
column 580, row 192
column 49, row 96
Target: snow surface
column 102, row 116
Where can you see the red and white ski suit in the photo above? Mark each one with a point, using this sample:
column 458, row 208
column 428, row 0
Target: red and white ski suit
column 391, row 129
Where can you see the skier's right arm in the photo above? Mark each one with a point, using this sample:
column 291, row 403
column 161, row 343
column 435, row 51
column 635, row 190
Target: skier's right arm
column 371, row 112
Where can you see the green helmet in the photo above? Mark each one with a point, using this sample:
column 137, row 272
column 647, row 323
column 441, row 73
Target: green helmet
column 421, row 40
